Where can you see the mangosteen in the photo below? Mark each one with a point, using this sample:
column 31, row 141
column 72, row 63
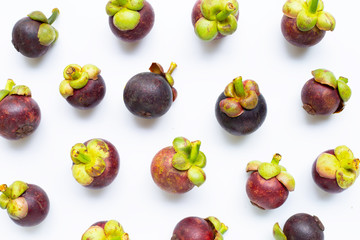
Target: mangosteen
column 324, row 94
column 26, row 204
column 269, row 184
column 178, row 168
column 215, row 19
column 95, row 163
column 109, row 230
column 19, row 113
column 304, row 23
column 300, row 226
column 130, row 20
column 33, row 35
column 196, row 228
column 336, row 169
column 83, row 87
column 150, row 94
column 241, row 108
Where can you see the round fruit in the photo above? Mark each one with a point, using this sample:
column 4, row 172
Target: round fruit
column 105, row 230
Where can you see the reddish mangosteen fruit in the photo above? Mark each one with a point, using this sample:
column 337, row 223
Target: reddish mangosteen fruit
column 150, row 94
column 269, row 184
column 27, row 204
column 19, row 113
column 215, row 19
column 324, row 94
column 336, row 169
column 83, row 87
column 241, row 108
column 300, row 226
column 178, row 168
column 105, row 230
column 130, row 20
column 33, row 35
column 95, row 163
column 196, row 228
column 305, row 23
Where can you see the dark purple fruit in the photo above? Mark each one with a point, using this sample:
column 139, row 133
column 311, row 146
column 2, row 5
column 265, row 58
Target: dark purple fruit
column 195, row 228
column 304, row 24
column 105, row 230
column 19, row 113
column 178, row 168
column 32, row 36
column 324, row 94
column 95, row 163
column 300, row 226
column 130, row 20
column 269, row 184
column 83, row 87
column 214, row 19
column 241, row 109
column 335, row 170
column 26, row 204
column 150, row 94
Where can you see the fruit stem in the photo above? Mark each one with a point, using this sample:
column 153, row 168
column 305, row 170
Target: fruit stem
column 276, row 159
column 195, row 149
column 171, row 68
column 313, row 6
column 54, row 15
column 5, row 190
column 80, row 155
column 239, row 87
column 9, row 84
column 229, row 9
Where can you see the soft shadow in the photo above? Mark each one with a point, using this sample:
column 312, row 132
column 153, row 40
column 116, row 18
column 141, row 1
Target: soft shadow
column 318, row 119
column 211, row 46
column 145, row 123
column 35, row 62
column 95, row 192
column 84, row 113
column 129, row 47
column 19, row 143
column 293, row 51
column 232, row 139
column 258, row 211
column 173, row 197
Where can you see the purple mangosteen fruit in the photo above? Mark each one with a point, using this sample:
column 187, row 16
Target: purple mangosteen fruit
column 300, row 226
column 324, row 94
column 269, row 184
column 150, row 94
column 241, row 108
column 83, row 87
column 105, row 230
column 27, row 204
column 215, row 19
column 19, row 113
column 336, row 169
column 305, row 23
column 95, row 163
column 33, row 35
column 196, row 228
column 178, row 168
column 130, row 20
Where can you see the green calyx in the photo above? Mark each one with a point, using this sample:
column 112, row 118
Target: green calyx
column 326, row 77
column 77, row 77
column 240, row 95
column 278, row 232
column 273, row 169
column 111, row 231
column 188, row 157
column 47, row 34
column 11, row 199
column 219, row 227
column 342, row 166
column 89, row 160
column 158, row 69
column 309, row 14
column 219, row 16
column 125, row 12
column 12, row 89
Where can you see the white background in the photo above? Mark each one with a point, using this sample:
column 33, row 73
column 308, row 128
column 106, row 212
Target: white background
column 256, row 51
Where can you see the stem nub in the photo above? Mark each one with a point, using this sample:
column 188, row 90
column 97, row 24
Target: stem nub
column 54, row 15
column 313, row 6
column 239, row 87
column 229, row 9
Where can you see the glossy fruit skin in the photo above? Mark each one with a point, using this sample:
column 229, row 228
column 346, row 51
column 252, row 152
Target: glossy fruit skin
column 320, row 99
column 166, row 176
column 265, row 194
column 90, row 95
column 147, row 18
column 299, row 38
column 193, row 228
column 38, row 206
column 303, row 226
column 326, row 184
column 248, row 122
column 19, row 116
column 148, row 95
column 25, row 38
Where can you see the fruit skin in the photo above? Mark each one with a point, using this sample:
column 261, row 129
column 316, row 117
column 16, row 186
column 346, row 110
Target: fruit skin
column 109, row 230
column 147, row 18
column 19, row 116
column 193, row 228
column 303, row 226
